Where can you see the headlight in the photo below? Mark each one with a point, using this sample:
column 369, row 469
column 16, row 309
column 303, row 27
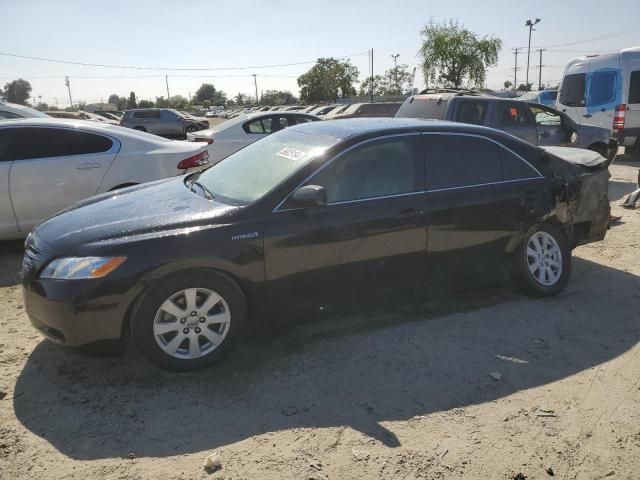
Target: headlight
column 73, row 268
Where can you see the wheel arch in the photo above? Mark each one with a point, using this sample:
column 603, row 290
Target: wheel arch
column 134, row 305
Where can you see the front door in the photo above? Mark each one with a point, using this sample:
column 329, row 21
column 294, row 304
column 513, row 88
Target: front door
column 478, row 194
column 8, row 224
column 368, row 241
column 514, row 118
column 551, row 128
column 53, row 168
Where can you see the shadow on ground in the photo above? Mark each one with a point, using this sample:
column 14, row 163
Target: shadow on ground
column 10, row 262
column 357, row 372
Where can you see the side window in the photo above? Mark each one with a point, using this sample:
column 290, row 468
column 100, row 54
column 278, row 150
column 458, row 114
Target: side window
column 8, row 115
column 461, row 161
column 6, row 135
column 546, row 117
column 56, row 142
column 167, row 115
column 514, row 167
column 254, row 127
column 471, row 111
column 572, row 90
column 634, row 87
column 378, row 169
column 510, row 115
column 602, row 88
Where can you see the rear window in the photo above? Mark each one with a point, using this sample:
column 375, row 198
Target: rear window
column 423, row 107
column 572, row 90
column 602, row 86
column 634, row 87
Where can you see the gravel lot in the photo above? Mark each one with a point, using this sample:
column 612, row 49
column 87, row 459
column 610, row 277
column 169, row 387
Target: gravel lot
column 400, row 394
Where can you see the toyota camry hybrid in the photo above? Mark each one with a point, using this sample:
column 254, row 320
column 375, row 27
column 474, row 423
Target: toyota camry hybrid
column 316, row 215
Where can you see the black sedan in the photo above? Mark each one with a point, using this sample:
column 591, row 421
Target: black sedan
column 316, row 215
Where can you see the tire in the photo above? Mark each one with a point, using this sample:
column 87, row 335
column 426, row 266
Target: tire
column 140, row 129
column 554, row 262
column 190, row 129
column 196, row 339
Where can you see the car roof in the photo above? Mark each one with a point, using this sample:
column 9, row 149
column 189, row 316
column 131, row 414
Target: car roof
column 345, row 128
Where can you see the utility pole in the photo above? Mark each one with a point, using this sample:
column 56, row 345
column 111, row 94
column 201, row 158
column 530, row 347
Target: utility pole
column 166, row 81
column 255, row 82
column 372, row 75
column 66, row 82
column 540, row 70
column 530, row 24
column 56, row 100
column 515, row 71
column 395, row 63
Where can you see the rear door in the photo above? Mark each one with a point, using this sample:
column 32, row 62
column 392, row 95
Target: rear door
column 54, row 167
column 8, row 224
column 477, row 197
column 514, row 118
column 632, row 116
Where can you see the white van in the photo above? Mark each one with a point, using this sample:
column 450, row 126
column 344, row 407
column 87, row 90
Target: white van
column 604, row 90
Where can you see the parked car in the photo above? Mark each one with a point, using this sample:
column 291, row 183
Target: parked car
column 544, row 97
column 11, row 111
column 533, row 123
column 323, row 110
column 604, row 90
column 48, row 164
column 162, row 121
column 63, row 114
column 230, row 136
column 380, row 109
column 313, row 216
column 108, row 116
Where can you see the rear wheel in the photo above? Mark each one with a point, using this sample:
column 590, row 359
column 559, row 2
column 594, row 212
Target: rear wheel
column 189, row 321
column 543, row 261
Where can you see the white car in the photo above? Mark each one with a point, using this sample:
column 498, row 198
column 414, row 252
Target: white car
column 230, row 136
column 48, row 164
column 11, row 111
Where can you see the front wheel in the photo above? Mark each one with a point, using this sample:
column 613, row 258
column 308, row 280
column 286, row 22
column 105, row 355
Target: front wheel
column 189, row 321
column 542, row 262
column 191, row 129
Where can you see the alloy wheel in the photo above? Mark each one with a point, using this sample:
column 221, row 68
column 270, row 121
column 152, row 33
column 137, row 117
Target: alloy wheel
column 544, row 258
column 191, row 323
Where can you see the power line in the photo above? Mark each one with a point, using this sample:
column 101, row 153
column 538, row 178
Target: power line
column 134, row 67
column 588, row 40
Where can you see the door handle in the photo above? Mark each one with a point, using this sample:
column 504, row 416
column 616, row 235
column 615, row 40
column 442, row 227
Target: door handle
column 588, row 115
column 408, row 215
column 87, row 166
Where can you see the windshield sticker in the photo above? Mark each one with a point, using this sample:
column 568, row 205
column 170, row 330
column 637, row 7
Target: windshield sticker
column 291, row 154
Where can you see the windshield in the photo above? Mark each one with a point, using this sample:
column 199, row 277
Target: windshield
column 251, row 173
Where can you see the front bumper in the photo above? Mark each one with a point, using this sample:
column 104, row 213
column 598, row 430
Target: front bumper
column 59, row 311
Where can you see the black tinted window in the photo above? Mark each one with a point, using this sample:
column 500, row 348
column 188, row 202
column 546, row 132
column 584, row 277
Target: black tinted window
column 55, row 142
column 147, row 114
column 572, row 90
column 510, row 115
column 460, row 160
column 5, row 140
column 471, row 111
column 386, row 167
column 514, row 168
column 8, row 115
column 634, row 87
column 423, row 107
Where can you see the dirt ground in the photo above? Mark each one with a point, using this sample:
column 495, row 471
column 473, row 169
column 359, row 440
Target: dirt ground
column 400, row 394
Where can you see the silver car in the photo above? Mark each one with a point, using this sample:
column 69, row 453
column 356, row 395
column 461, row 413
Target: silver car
column 163, row 121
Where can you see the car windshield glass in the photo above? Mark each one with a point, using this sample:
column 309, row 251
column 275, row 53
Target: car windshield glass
column 251, row 173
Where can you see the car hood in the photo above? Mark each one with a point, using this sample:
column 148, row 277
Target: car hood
column 156, row 208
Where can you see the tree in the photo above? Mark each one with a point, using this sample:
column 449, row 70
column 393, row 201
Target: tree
column 453, row 56
column 118, row 101
column 206, row 103
column 42, row 106
column 379, row 87
column 208, row 92
column 132, row 103
column 277, row 97
column 524, row 88
column 178, row 102
column 397, row 80
column 145, row 104
column 507, row 84
column 243, row 99
column 17, row 91
column 162, row 102
column 328, row 80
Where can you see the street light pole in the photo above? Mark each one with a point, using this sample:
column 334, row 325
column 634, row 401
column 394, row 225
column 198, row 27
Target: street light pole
column 530, row 24
column 395, row 62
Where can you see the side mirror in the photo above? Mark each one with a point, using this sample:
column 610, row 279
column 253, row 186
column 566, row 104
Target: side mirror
column 310, row 196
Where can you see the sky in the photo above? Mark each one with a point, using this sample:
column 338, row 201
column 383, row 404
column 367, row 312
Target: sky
column 221, row 35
